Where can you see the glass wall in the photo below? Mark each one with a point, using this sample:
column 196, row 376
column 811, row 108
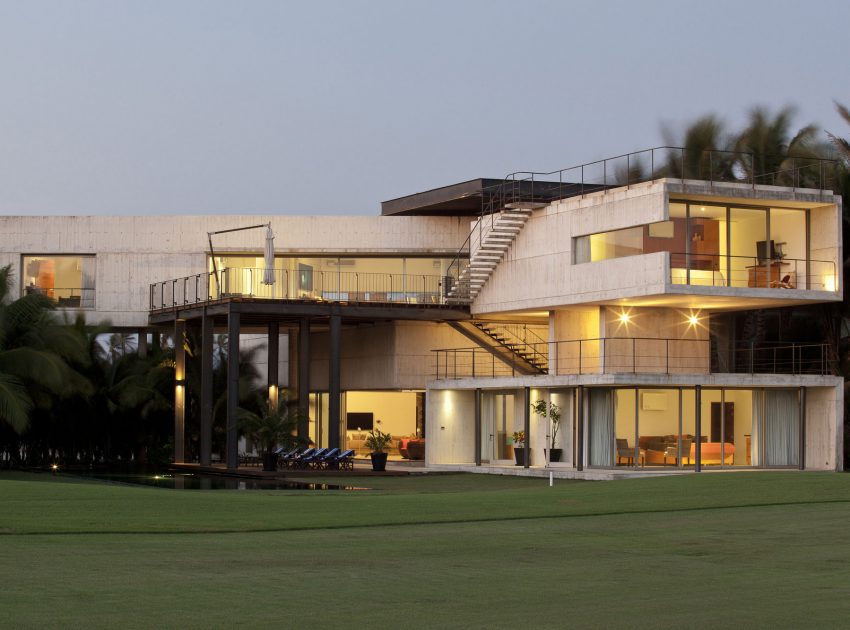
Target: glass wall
column 738, row 427
column 69, row 280
column 499, row 422
column 401, row 414
column 409, row 279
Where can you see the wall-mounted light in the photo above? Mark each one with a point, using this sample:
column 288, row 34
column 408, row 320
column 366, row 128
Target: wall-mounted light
column 624, row 318
column 180, row 382
column 693, row 320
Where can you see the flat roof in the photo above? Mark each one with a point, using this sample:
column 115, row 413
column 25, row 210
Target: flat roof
column 465, row 198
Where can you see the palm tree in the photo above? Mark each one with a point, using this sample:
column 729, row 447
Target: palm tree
column 34, row 353
column 769, row 154
column 270, row 428
column 705, row 153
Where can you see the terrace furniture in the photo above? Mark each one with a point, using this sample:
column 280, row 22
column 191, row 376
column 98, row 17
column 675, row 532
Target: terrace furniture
column 293, row 461
column 284, row 459
column 416, row 448
column 307, row 461
column 624, row 451
column 343, row 461
column 321, row 463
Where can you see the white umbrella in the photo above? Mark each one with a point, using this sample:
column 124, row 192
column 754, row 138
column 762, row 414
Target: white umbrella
column 268, row 274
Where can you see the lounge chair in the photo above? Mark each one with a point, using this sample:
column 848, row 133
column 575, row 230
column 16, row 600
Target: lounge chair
column 284, row 458
column 322, row 462
column 293, row 461
column 306, row 462
column 343, row 461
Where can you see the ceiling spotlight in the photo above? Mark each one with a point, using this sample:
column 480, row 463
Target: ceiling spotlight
column 693, row 320
column 624, row 318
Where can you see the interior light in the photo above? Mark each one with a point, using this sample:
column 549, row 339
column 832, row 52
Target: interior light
column 693, row 320
column 624, row 318
column 702, row 209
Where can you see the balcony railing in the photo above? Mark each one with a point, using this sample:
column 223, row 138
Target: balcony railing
column 297, row 284
column 720, row 270
column 638, row 355
column 66, row 297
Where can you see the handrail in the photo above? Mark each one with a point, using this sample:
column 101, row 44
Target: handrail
column 298, row 284
column 650, row 355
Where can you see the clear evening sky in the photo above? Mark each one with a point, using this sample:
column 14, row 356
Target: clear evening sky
column 157, row 107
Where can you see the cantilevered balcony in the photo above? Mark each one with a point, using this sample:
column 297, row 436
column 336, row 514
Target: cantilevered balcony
column 639, row 355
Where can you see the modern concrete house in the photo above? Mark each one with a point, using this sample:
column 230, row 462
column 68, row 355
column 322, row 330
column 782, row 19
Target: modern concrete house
column 652, row 311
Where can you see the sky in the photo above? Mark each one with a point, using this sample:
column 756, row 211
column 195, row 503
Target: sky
column 316, row 107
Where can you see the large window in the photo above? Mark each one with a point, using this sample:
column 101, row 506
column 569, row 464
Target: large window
column 648, row 427
column 409, row 279
column 69, row 280
column 721, row 245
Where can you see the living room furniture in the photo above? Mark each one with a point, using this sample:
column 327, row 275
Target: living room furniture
column 710, row 453
column 624, row 451
column 769, row 274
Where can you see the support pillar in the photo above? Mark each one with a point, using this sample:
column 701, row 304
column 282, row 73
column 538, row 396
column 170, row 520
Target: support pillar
column 802, row 428
column 273, row 359
column 698, row 429
column 205, row 456
column 334, row 389
column 579, row 441
column 142, row 344
column 527, row 425
column 304, row 378
column 233, row 327
column 179, row 391
column 477, row 427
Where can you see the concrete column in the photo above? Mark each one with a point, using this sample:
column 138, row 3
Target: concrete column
column 233, row 327
column 304, row 377
column 334, row 389
column 477, row 427
column 179, row 391
column 579, row 441
column 205, row 456
column 802, row 428
column 142, row 344
column 273, row 357
column 156, row 339
column 698, row 429
column 526, row 395
column 292, row 377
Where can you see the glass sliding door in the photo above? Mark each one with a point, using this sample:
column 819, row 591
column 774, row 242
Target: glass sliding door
column 750, row 252
column 600, row 430
column 658, row 423
column 498, row 423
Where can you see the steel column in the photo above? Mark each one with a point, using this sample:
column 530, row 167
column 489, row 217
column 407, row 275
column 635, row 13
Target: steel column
column 698, row 429
column 477, row 427
column 802, row 428
column 207, row 323
column 273, row 359
column 304, row 378
column 179, row 391
column 233, row 328
column 527, row 425
column 334, row 392
column 579, row 422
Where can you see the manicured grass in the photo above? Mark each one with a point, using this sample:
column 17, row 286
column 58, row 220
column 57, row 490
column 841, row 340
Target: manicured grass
column 468, row 551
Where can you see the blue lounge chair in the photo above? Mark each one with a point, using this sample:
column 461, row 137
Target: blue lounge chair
column 343, row 461
column 306, row 462
column 293, row 461
column 322, row 462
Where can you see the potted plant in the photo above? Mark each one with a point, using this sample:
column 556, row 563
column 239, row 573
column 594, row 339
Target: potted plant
column 519, row 447
column 269, row 429
column 553, row 413
column 376, row 442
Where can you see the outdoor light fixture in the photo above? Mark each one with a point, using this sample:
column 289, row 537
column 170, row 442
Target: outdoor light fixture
column 693, row 320
column 625, row 318
column 180, row 382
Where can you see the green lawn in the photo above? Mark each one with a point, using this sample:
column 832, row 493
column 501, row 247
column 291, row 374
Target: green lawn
column 748, row 549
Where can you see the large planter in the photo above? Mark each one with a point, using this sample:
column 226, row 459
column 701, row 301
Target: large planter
column 519, row 454
column 379, row 461
column 270, row 462
column 554, row 454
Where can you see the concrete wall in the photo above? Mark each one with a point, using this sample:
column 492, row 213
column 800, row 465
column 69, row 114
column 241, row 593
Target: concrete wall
column 394, row 355
column 450, row 427
column 134, row 252
column 538, row 271
column 825, row 428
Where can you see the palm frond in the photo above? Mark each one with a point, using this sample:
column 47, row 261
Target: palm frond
column 15, row 403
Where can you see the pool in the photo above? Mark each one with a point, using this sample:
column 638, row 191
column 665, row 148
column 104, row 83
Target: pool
column 200, row 481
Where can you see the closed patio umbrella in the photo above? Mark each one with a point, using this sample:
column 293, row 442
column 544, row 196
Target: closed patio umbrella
column 268, row 274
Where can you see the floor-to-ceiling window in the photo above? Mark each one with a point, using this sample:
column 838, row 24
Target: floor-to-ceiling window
column 738, row 427
column 499, row 423
column 69, row 280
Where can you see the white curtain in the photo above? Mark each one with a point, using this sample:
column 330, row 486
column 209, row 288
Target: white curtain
column 758, row 419
column 601, row 430
column 582, row 254
column 87, row 279
column 781, row 427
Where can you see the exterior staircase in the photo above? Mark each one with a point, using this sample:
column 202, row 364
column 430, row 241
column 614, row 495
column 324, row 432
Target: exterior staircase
column 489, row 241
column 519, row 346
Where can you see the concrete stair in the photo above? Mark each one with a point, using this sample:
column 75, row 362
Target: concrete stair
column 490, row 240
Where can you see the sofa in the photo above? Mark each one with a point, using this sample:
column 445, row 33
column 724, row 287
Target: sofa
column 356, row 441
column 662, row 450
column 710, row 453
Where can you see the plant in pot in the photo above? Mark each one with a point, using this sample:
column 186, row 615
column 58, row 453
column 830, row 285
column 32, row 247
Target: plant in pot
column 270, row 428
column 377, row 442
column 519, row 447
column 552, row 412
